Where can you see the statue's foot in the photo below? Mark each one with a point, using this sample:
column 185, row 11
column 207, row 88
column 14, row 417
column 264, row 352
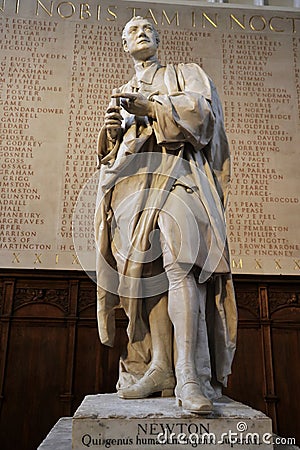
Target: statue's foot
column 154, row 380
column 190, row 397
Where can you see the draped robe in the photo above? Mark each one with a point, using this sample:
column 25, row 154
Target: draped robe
column 189, row 128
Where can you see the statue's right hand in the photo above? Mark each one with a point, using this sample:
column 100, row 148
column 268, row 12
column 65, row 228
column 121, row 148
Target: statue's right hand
column 113, row 118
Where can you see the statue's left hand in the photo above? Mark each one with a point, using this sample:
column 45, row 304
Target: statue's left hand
column 136, row 103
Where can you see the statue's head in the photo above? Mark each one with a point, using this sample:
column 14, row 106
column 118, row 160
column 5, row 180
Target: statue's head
column 140, row 38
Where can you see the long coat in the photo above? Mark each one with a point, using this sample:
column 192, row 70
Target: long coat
column 189, row 124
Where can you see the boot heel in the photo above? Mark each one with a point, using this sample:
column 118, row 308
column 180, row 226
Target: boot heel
column 178, row 402
column 167, row 392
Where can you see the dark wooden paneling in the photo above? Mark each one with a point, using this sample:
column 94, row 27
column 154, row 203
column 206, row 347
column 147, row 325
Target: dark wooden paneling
column 247, row 379
column 51, row 357
column 285, row 332
column 34, row 381
column 247, row 371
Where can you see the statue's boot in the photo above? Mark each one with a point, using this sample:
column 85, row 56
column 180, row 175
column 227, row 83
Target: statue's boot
column 159, row 377
column 154, row 380
column 184, row 312
column 190, row 397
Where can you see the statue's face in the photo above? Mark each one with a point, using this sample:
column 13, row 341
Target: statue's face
column 140, row 39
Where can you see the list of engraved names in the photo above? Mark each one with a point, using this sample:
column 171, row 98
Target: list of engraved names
column 57, row 70
column 261, row 111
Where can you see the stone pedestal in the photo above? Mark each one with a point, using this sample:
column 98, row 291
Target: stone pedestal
column 105, row 421
column 60, row 437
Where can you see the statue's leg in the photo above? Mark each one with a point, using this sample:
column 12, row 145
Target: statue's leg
column 161, row 333
column 186, row 301
column 184, row 311
column 159, row 377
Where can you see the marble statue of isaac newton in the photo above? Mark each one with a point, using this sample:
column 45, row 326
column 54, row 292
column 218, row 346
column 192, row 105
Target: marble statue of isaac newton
column 162, row 252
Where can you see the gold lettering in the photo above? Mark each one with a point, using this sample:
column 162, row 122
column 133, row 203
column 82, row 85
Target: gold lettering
column 71, row 12
column 272, row 26
column 252, row 20
column 75, row 259
column 193, row 19
column 293, row 22
column 17, row 6
column 84, row 11
column 98, row 12
column 16, row 258
column 114, row 15
column 56, row 258
column 150, row 15
column 2, row 7
column 297, row 264
column 258, row 264
column 164, row 14
column 238, row 265
column 48, row 11
column 133, row 10
column 278, row 265
column 38, row 258
column 235, row 19
column 214, row 23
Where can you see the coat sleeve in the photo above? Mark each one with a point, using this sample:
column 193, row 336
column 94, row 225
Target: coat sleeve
column 185, row 113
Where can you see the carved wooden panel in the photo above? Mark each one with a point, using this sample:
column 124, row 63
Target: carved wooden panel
column 247, row 371
column 247, row 299
column 34, row 380
column 87, row 297
column 51, row 356
column 247, row 379
column 286, row 357
column 279, row 300
column 56, row 297
column 285, row 314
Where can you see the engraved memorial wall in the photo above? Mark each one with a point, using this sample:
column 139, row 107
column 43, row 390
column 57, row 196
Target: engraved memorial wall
column 59, row 62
